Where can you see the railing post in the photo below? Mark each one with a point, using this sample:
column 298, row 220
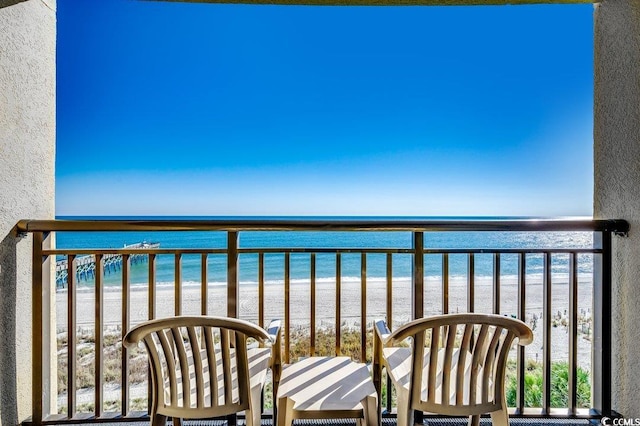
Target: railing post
column 417, row 296
column 417, row 308
column 152, row 289
column 126, row 319
column 338, row 302
column 44, row 390
column 37, row 361
column 471, row 282
column 71, row 335
column 232, row 274
column 522, row 314
column 287, row 307
column 573, row 333
column 601, row 356
column 363, row 307
column 178, row 284
column 204, row 285
column 98, row 395
column 546, row 334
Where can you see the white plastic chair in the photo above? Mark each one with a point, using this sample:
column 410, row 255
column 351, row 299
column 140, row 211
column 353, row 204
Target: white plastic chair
column 205, row 367
column 455, row 364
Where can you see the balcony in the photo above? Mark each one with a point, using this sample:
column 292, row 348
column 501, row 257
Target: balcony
column 327, row 280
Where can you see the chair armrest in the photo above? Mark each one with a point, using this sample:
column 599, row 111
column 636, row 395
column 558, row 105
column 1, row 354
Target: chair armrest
column 380, row 339
column 273, row 330
column 382, row 331
column 275, row 337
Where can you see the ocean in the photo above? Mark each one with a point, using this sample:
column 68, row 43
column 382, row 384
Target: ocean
column 326, row 262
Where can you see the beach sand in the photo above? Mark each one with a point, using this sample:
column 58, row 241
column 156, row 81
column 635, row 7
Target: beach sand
column 351, row 297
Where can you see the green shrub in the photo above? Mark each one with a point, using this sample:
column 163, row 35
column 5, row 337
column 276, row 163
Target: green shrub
column 534, row 388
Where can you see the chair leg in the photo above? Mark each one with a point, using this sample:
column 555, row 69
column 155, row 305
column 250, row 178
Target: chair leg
column 405, row 417
column 500, row 418
column 474, row 420
column 370, row 411
column 158, row 420
column 285, row 411
column 405, row 414
column 177, row 421
column 254, row 415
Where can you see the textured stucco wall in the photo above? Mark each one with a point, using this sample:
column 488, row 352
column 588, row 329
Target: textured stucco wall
column 617, row 181
column 27, row 149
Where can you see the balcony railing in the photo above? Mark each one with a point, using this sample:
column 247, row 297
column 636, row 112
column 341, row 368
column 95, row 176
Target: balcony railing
column 560, row 287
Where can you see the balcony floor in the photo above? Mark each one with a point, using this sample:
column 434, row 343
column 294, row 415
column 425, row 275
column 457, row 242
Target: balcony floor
column 432, row 421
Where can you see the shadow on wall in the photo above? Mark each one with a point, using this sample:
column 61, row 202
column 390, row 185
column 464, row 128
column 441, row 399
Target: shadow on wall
column 6, row 3
column 8, row 285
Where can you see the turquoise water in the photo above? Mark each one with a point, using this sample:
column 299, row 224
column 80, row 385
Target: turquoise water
column 326, row 263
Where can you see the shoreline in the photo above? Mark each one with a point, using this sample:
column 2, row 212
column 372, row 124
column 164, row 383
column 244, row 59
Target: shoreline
column 507, row 279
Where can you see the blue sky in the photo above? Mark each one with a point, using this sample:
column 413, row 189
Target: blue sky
column 201, row 109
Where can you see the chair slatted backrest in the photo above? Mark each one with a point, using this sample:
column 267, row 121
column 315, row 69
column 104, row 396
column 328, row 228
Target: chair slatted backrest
column 198, row 363
column 466, row 355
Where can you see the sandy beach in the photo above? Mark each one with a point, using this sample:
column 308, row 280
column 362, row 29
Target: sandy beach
column 350, row 295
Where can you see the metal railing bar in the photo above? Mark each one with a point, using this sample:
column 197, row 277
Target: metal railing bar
column 324, row 250
column 573, row 333
column 560, row 250
column 418, row 293
column 287, row 307
column 389, row 288
column 71, row 336
column 546, row 337
column 37, row 364
column 520, row 361
column 152, row 286
column 312, row 277
column 232, row 275
column 471, row 277
column 411, row 225
column 445, row 283
column 363, row 307
column 338, row 302
column 261, row 289
column 389, row 311
column 513, row 251
column 178, row 284
column 602, row 325
column 204, row 283
column 152, row 314
column 417, row 307
column 99, row 337
column 496, row 283
column 606, row 315
column 119, row 252
column 124, row 376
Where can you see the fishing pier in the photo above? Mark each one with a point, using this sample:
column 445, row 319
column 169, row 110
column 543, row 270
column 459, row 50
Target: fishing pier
column 85, row 266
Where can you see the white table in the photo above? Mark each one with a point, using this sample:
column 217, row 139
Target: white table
column 327, row 387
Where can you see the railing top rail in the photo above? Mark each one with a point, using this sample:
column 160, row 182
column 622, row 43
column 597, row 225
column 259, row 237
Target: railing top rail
column 617, row 226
